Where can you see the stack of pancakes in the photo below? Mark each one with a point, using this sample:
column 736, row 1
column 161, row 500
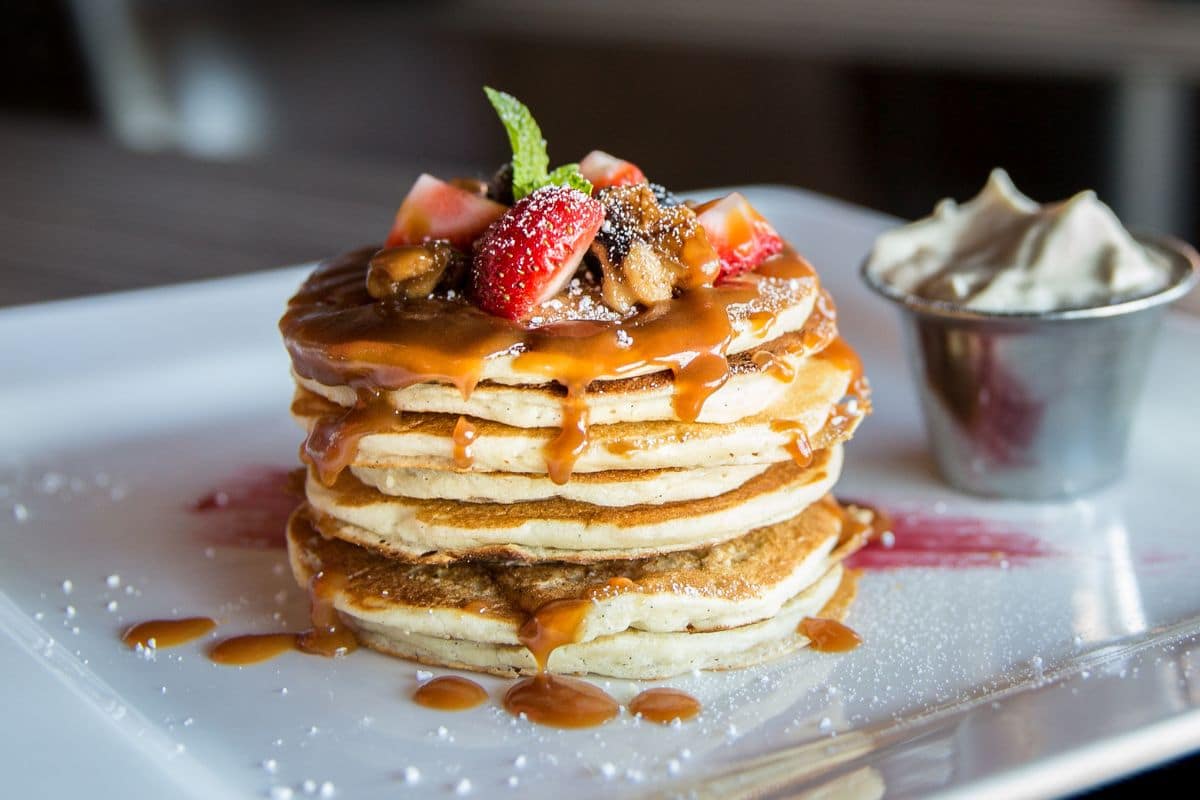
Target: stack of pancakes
column 697, row 521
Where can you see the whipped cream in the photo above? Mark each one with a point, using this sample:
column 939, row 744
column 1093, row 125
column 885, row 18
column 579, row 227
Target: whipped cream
column 1002, row 251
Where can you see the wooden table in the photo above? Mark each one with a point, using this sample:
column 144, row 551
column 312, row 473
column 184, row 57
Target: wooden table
column 79, row 215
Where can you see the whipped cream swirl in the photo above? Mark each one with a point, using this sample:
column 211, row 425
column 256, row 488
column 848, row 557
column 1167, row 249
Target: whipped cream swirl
column 1002, row 251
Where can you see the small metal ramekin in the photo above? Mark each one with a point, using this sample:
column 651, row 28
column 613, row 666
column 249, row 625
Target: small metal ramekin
column 1034, row 405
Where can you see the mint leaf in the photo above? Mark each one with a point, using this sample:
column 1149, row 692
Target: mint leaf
column 529, row 160
column 569, row 175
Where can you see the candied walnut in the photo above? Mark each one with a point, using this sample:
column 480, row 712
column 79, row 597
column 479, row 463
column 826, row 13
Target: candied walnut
column 642, row 277
column 667, row 245
column 409, row 272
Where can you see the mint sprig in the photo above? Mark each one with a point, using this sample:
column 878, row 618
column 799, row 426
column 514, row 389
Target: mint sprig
column 530, row 163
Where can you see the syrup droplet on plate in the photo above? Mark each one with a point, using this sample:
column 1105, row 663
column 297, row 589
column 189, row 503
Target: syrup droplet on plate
column 828, row 635
column 239, row 651
column 663, row 705
column 450, row 693
column 167, row 632
column 560, row 702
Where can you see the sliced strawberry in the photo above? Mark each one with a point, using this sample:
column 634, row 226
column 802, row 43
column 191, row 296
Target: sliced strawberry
column 531, row 252
column 742, row 238
column 604, row 170
column 435, row 209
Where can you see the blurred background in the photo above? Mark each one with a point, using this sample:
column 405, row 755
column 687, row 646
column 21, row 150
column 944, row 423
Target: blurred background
column 156, row 140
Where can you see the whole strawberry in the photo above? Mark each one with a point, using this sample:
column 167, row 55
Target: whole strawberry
column 528, row 255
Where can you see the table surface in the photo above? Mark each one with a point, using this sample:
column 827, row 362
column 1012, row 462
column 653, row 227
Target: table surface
column 80, row 215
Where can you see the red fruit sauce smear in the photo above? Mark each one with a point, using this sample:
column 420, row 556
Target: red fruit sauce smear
column 924, row 539
column 249, row 510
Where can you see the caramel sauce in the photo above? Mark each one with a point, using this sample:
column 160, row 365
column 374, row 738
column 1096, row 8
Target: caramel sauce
column 551, row 626
column 611, row 587
column 621, row 448
column 560, row 702
column 828, row 635
column 550, row 699
column 463, row 436
column 774, row 366
column 839, row 353
column 328, row 636
column 333, row 441
column 450, row 693
column 821, row 327
column 167, row 632
column 665, row 705
column 760, row 322
column 475, row 607
column 252, row 648
column 337, row 334
column 799, row 448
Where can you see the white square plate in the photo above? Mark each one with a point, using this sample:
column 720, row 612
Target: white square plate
column 1048, row 667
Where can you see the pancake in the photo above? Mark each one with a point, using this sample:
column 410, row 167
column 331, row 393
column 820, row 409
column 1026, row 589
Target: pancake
column 727, row 606
column 332, row 321
column 615, row 488
column 750, row 388
column 425, row 441
column 440, row 530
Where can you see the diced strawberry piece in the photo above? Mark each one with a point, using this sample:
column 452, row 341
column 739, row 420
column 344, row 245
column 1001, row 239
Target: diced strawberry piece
column 435, row 209
column 531, row 252
column 604, row 170
column 740, row 235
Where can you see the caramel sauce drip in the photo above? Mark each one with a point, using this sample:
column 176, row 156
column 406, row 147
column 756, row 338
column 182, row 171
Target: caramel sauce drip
column 828, row 635
column 450, row 693
column 841, row 355
column 167, row 632
column 332, row 443
column 463, row 436
column 664, row 705
column 337, row 334
column 328, row 636
column 774, row 366
column 621, row 448
column 799, row 447
column 688, row 335
column 239, row 651
column 551, row 699
column 821, row 327
column 760, row 322
column 551, row 626
column 565, row 449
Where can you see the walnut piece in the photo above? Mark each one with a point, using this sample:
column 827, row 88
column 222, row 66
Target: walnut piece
column 646, row 249
column 409, row 272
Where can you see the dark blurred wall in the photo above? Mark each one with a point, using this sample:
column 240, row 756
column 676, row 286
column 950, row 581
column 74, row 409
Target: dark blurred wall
column 41, row 65
column 389, row 83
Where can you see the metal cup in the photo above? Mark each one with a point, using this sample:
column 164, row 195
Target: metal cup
column 1034, row 405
